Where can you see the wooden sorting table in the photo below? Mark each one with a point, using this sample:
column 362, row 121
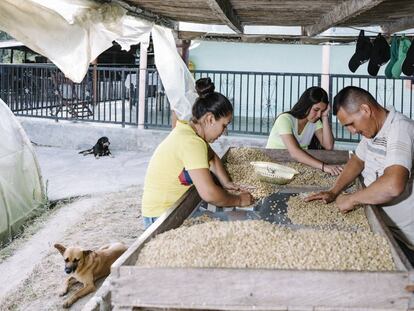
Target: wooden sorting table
column 138, row 288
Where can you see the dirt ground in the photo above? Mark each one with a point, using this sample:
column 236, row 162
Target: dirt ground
column 115, row 217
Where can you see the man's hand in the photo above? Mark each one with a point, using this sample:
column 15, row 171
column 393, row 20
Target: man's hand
column 324, row 196
column 345, row 203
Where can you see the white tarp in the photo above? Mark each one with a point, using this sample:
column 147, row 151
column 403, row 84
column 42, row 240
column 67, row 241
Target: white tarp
column 21, row 188
column 72, row 33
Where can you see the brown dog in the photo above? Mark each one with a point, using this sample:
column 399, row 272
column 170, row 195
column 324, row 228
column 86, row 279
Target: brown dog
column 87, row 266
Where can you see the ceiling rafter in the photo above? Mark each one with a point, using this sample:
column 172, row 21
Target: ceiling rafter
column 400, row 25
column 147, row 15
column 340, row 13
column 292, row 39
column 226, row 13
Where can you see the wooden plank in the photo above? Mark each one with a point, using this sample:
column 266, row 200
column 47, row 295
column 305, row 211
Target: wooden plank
column 151, row 16
column 340, row 13
column 101, row 300
column 188, row 35
column 226, row 13
column 171, row 219
column 244, row 289
column 327, row 156
column 400, row 25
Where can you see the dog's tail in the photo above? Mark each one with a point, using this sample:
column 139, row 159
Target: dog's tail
column 86, row 151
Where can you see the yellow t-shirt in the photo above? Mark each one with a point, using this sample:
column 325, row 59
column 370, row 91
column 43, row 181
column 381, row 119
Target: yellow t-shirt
column 288, row 124
column 167, row 175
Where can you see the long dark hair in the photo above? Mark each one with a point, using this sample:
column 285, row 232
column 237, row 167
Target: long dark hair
column 210, row 101
column 310, row 97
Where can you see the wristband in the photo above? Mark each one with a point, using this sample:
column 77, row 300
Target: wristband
column 323, row 166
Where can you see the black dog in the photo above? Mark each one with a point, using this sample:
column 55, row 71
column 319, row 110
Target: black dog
column 100, row 149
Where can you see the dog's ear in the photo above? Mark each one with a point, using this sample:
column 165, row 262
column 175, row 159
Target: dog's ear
column 60, row 248
column 86, row 253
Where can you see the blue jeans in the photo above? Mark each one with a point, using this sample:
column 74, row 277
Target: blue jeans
column 148, row 221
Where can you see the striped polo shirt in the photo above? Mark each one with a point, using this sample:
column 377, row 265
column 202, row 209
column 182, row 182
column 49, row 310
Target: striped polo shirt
column 393, row 145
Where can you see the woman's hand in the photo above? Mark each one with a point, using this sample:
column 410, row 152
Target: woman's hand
column 325, row 114
column 334, row 170
column 246, row 199
column 232, row 186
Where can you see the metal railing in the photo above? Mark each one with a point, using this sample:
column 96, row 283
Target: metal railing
column 258, row 97
column 110, row 95
column 397, row 93
column 106, row 94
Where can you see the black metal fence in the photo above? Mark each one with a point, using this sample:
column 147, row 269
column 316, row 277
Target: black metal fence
column 258, row 97
column 106, row 94
column 110, row 95
column 397, row 93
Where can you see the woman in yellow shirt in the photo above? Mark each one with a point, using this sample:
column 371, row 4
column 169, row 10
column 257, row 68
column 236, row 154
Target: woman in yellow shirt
column 293, row 130
column 184, row 158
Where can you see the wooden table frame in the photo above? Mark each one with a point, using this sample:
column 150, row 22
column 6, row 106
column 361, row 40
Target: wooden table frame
column 133, row 287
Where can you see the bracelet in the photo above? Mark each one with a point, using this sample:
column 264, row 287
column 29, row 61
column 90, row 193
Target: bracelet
column 323, row 166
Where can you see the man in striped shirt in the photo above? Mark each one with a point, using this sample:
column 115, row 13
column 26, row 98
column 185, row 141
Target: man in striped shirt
column 384, row 157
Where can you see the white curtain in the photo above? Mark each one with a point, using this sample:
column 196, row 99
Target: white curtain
column 72, row 33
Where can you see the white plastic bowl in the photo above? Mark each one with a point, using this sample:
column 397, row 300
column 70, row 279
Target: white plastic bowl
column 274, row 173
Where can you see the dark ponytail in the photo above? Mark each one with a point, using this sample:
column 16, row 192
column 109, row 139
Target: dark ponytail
column 310, row 97
column 210, row 101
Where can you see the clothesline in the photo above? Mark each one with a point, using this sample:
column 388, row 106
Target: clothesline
column 381, row 32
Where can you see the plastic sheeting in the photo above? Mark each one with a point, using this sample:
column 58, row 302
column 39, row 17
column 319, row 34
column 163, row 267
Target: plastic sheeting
column 21, row 188
column 171, row 68
column 72, row 33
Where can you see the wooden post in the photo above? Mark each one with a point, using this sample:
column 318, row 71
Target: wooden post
column 185, row 49
column 143, row 54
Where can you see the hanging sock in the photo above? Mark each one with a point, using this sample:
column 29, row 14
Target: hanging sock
column 395, row 42
column 362, row 52
column 402, row 53
column 408, row 64
column 380, row 55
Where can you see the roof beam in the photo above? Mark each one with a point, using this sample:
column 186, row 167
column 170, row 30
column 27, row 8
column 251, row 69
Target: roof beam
column 226, row 13
column 189, row 35
column 400, row 25
column 340, row 13
column 147, row 15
